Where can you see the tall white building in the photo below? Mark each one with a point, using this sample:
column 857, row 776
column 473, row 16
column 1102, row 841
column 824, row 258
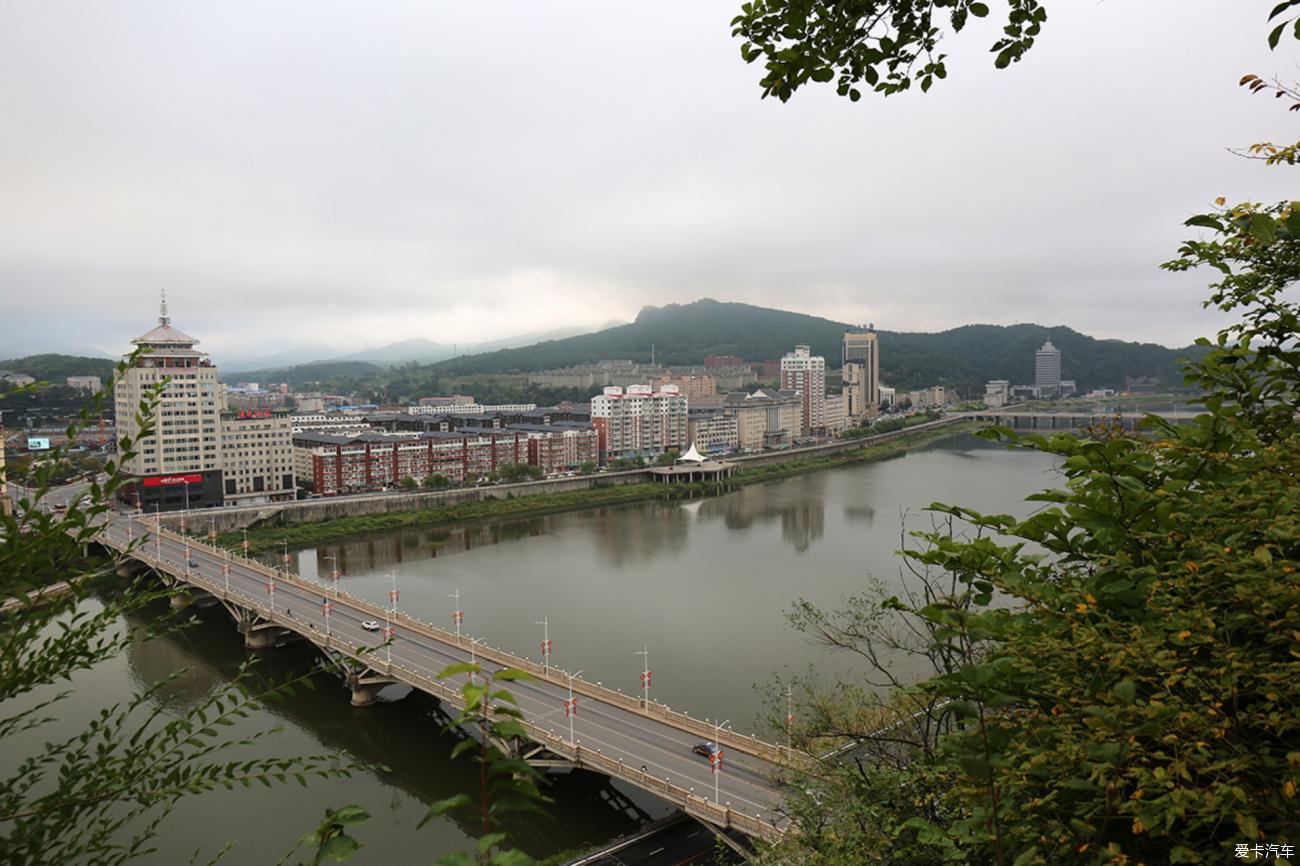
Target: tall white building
column 180, row 461
column 1047, row 367
column 640, row 421
column 805, row 372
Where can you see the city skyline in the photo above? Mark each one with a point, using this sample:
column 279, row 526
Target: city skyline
column 302, row 199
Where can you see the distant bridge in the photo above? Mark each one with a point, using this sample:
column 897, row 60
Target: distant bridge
column 644, row 744
column 1071, row 420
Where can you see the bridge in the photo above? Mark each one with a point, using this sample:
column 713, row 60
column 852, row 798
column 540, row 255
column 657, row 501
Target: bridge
column 643, row 743
column 1070, row 420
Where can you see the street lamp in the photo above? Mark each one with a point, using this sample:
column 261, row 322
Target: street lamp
column 571, row 706
column 645, row 677
column 212, row 528
column 186, row 513
column 388, row 620
column 545, row 623
column 457, row 615
column 245, row 542
column 472, row 642
column 286, row 554
column 326, row 606
column 225, row 570
column 334, row 572
column 715, row 758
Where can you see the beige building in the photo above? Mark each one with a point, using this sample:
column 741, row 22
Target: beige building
column 640, row 421
column 257, row 458
column 692, row 386
column 85, row 383
column 179, row 464
column 836, row 417
column 765, row 418
column 805, row 373
column 712, row 431
column 861, row 375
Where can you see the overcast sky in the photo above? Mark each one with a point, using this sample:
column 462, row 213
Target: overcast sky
column 306, row 172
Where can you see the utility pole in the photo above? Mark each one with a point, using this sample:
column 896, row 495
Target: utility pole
column 546, row 643
column 715, row 758
column 245, row 542
column 457, row 615
column 225, row 571
column 645, row 677
column 334, row 572
column 571, row 706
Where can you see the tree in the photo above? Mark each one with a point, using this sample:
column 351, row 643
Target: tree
column 667, row 458
column 586, row 467
column 1114, row 678
column 884, row 45
column 97, row 797
column 436, row 481
column 409, row 483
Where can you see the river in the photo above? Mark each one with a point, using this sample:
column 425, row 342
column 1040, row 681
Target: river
column 704, row 585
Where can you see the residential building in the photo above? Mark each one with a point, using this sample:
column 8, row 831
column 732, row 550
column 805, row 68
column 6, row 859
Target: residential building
column 806, row 373
column 1047, row 368
column 765, row 418
column 997, row 393
column 1067, row 388
column 560, row 448
column 6, row 505
column 85, row 383
column 179, row 462
column 9, row 377
column 639, row 421
column 888, row 396
column 711, row 361
column 712, row 431
column 257, row 456
column 836, row 416
column 938, row 396
column 448, row 400
column 693, row 386
column 310, row 402
column 860, row 374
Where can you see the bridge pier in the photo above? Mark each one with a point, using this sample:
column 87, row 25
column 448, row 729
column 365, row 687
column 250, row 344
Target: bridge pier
column 129, row 568
column 365, row 689
column 179, row 600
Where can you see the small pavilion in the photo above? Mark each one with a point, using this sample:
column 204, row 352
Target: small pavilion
column 692, row 467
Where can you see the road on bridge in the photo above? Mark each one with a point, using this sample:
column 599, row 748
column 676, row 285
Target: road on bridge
column 746, row 782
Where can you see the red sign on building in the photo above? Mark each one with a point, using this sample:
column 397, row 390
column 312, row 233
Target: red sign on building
column 166, row 480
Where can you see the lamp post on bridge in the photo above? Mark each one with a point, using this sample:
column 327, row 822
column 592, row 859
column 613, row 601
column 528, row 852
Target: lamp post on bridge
column 457, row 615
column 389, row 620
column 270, row 589
column 186, row 513
column 225, row 570
column 286, row 554
column 715, row 758
column 645, row 677
column 212, row 528
column 334, row 572
column 245, row 542
column 545, row 623
column 326, row 606
column 571, row 707
column 472, row 642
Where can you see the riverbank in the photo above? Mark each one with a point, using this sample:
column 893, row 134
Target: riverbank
column 268, row 538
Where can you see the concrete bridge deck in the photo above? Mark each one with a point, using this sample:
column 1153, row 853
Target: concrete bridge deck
column 614, row 733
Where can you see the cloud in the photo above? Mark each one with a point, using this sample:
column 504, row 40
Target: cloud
column 307, row 173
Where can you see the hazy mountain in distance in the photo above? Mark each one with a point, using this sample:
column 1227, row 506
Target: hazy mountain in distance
column 287, row 358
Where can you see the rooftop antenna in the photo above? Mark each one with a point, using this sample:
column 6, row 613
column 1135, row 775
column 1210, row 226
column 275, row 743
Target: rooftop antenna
column 163, row 318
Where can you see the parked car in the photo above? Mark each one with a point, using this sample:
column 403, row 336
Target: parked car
column 708, row 748
column 370, row 625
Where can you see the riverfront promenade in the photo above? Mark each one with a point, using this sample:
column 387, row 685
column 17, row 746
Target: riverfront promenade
column 613, row 733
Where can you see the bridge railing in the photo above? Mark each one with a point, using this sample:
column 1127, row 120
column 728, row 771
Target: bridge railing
column 745, row 743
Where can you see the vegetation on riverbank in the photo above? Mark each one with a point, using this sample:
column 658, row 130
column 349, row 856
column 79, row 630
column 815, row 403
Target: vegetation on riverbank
column 268, row 538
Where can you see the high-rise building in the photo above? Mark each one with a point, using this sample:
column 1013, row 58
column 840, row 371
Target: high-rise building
column 640, row 421
column 1047, row 368
column 6, row 506
column 860, row 374
column 179, row 463
column 805, row 372
column 257, row 456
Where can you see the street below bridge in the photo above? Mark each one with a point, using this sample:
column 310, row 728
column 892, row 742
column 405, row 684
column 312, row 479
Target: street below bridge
column 746, row 783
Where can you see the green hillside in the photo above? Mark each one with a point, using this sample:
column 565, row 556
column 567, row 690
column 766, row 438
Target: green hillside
column 57, row 368
column 324, row 374
column 964, row 357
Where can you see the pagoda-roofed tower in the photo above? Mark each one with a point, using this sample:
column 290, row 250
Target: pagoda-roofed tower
column 179, row 463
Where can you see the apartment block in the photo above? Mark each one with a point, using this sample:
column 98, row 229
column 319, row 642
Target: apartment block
column 765, row 418
column 257, row 456
column 805, row 373
column 860, row 374
column 640, row 421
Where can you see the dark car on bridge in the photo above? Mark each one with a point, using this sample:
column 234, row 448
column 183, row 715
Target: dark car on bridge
column 708, row 748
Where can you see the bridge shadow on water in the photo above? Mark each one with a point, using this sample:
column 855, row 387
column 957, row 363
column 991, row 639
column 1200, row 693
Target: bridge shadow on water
column 407, row 740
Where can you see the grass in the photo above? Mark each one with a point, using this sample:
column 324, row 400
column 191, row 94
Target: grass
column 269, row 538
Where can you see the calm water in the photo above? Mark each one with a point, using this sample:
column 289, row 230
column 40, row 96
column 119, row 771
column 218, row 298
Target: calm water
column 705, row 585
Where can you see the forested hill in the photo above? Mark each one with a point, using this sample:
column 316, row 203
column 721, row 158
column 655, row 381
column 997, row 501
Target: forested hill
column 57, row 368
column 964, row 357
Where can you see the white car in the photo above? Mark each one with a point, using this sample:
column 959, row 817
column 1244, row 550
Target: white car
column 370, row 625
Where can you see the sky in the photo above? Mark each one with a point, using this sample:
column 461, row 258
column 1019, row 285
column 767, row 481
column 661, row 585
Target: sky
column 312, row 173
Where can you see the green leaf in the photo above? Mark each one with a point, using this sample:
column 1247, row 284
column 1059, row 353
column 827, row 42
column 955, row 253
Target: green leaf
column 1262, row 227
column 486, row 842
column 338, row 848
column 1131, row 484
column 1029, row 855
column 1126, row 691
column 979, row 10
column 1276, row 35
column 442, row 807
column 462, row 747
column 508, row 674
column 349, row 815
column 458, row 668
column 1205, row 221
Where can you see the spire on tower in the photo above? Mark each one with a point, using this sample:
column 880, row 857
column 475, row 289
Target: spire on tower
column 163, row 318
